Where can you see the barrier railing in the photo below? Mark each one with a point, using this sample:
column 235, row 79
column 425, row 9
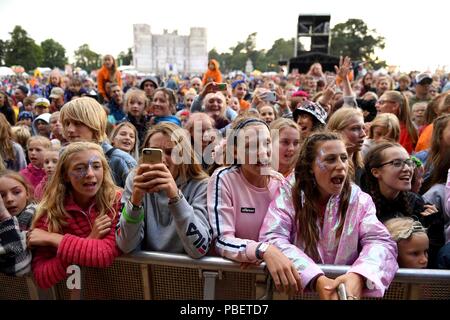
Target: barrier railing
column 155, row 275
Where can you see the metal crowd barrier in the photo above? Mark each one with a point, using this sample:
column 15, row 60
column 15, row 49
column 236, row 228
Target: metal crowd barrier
column 162, row 276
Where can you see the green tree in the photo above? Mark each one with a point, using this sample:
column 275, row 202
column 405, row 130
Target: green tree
column 238, row 55
column 125, row 59
column 87, row 59
column 54, row 54
column 281, row 50
column 22, row 50
column 353, row 38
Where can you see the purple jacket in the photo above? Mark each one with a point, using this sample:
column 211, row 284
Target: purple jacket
column 365, row 243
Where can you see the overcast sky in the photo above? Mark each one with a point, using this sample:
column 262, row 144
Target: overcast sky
column 416, row 32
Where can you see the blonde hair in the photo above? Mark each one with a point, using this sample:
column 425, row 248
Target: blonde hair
column 136, row 94
column 21, row 134
column 43, row 141
column 6, row 146
column 55, row 114
column 219, row 95
column 403, row 228
column 87, row 111
column 19, row 178
column 135, row 151
column 181, row 138
column 58, row 189
column 282, row 123
column 338, row 122
column 391, row 126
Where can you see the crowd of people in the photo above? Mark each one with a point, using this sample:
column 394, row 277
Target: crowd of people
column 293, row 170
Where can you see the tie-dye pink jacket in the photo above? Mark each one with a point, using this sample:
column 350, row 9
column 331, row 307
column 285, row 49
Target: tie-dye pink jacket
column 365, row 243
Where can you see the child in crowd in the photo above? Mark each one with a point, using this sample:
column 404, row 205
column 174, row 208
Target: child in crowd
column 41, row 125
column 165, row 202
column 135, row 105
column 125, row 137
column 213, row 73
column 385, row 126
column 16, row 213
column 76, row 219
column 412, row 242
column 108, row 74
column 10, row 151
column 25, row 118
column 349, row 122
column 53, row 81
column 75, row 90
column 238, row 198
column 310, row 117
column 326, row 219
column 35, row 172
column 84, row 119
column 56, row 129
column 41, row 106
column 285, row 135
column 28, row 104
column 267, row 113
column 51, row 157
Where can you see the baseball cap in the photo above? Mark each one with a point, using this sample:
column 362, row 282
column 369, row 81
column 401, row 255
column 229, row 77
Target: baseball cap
column 56, row 93
column 41, row 102
column 25, row 115
column 424, row 78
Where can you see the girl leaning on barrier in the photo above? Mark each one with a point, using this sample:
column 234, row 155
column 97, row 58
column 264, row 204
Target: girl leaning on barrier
column 238, row 198
column 16, row 212
column 75, row 221
column 165, row 203
column 326, row 219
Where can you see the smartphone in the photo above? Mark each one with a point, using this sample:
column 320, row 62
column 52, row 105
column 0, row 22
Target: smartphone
column 342, row 293
column 221, row 86
column 270, row 97
column 152, row 155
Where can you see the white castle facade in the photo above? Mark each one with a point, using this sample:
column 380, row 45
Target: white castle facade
column 169, row 53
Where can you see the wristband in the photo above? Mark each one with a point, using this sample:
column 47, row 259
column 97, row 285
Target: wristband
column 131, row 219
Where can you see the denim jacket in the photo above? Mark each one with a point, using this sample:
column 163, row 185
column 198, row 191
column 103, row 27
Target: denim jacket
column 120, row 162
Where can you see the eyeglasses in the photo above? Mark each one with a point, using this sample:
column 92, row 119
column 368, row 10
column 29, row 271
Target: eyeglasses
column 399, row 163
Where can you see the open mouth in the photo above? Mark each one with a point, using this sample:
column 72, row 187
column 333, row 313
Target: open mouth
column 90, row 185
column 338, row 180
column 405, row 178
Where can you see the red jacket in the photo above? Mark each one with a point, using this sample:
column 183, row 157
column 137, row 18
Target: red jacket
column 50, row 264
column 405, row 139
column 33, row 174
